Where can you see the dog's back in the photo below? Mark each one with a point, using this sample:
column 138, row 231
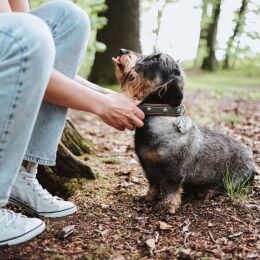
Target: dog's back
column 173, row 156
column 199, row 157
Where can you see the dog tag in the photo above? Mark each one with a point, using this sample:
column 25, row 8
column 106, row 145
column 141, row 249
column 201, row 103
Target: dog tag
column 181, row 123
column 165, row 110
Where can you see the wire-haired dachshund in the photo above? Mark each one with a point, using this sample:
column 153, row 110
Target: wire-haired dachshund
column 174, row 152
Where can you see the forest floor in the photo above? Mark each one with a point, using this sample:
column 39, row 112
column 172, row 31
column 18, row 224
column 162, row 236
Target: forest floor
column 113, row 223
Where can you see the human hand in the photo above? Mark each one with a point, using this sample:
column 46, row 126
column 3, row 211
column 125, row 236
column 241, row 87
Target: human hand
column 120, row 112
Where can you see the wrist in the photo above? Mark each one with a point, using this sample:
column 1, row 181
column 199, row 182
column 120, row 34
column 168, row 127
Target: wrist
column 100, row 105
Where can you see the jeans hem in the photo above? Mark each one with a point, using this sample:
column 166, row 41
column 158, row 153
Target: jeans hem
column 38, row 160
column 3, row 203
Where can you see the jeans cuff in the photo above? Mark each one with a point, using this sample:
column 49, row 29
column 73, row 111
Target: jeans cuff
column 37, row 159
column 3, row 203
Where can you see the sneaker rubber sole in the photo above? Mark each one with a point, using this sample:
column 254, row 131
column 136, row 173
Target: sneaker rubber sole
column 52, row 214
column 24, row 237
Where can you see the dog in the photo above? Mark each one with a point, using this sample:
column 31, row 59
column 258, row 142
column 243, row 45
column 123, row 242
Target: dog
column 175, row 153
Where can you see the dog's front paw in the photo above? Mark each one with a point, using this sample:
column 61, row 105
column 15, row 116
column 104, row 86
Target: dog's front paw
column 147, row 198
column 151, row 195
column 171, row 203
column 172, row 209
column 167, row 207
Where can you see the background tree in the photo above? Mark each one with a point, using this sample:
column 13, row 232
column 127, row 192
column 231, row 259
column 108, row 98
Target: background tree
column 206, row 6
column 239, row 26
column 122, row 30
column 210, row 61
column 161, row 9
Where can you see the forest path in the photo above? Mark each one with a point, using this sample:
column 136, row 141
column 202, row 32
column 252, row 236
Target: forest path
column 112, row 223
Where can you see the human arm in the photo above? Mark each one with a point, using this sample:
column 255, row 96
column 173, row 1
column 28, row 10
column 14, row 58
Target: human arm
column 114, row 109
column 19, row 5
column 4, row 6
column 93, row 86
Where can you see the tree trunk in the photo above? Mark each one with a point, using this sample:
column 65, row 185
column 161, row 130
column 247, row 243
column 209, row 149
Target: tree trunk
column 122, row 31
column 204, row 21
column 210, row 62
column 240, row 21
column 69, row 172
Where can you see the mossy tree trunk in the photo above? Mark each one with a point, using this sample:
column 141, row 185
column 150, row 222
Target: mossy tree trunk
column 240, row 22
column 210, row 62
column 70, row 170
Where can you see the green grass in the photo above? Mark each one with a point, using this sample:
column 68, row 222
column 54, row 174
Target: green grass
column 236, row 193
column 234, row 83
column 231, row 119
column 225, row 83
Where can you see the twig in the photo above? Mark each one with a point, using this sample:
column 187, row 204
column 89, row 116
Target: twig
column 212, row 238
column 163, row 249
column 236, row 234
column 111, row 155
column 186, row 238
column 156, row 237
column 129, row 246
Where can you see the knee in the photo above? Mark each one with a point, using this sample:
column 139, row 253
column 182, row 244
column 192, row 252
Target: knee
column 35, row 38
column 74, row 16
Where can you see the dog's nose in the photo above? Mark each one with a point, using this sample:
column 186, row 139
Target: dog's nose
column 123, row 51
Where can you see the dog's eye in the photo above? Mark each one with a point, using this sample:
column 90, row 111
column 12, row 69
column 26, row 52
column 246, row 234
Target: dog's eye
column 155, row 58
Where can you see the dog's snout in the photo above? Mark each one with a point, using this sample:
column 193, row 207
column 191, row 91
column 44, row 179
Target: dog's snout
column 123, row 51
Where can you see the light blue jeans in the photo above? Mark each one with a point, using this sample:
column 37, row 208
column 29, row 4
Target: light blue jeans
column 54, row 35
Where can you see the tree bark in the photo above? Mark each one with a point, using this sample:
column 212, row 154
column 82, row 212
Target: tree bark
column 240, row 21
column 210, row 62
column 203, row 30
column 122, row 31
column 69, row 172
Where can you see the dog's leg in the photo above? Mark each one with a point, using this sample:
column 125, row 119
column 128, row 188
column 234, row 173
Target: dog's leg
column 152, row 194
column 171, row 191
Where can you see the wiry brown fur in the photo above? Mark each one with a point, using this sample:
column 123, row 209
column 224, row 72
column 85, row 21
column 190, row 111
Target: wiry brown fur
column 195, row 158
column 135, row 86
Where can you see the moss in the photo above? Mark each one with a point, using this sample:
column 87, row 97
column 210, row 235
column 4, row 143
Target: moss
column 111, row 160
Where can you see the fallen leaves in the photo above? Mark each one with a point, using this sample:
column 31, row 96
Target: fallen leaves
column 66, row 231
column 150, row 243
column 236, row 234
column 112, row 223
column 164, row 225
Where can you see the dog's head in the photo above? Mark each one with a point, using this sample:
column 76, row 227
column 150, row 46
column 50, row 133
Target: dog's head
column 155, row 78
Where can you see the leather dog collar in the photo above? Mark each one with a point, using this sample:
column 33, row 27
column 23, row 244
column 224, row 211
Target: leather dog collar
column 162, row 110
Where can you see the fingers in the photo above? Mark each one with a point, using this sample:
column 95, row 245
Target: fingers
column 136, row 121
column 120, row 128
column 139, row 113
column 128, row 123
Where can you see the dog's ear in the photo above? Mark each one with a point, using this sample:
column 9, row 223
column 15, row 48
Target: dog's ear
column 169, row 93
column 172, row 91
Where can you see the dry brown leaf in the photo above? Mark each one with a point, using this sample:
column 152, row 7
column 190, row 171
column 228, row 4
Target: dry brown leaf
column 150, row 243
column 164, row 226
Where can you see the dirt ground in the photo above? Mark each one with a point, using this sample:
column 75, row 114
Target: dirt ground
column 113, row 223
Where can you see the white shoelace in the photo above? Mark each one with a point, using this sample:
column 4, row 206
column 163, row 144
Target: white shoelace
column 32, row 181
column 8, row 217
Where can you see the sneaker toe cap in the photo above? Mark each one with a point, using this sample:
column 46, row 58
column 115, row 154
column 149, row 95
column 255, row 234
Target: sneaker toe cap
column 66, row 205
column 34, row 223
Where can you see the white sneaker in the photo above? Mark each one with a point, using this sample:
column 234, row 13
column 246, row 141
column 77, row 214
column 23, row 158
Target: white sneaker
column 16, row 228
column 29, row 194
